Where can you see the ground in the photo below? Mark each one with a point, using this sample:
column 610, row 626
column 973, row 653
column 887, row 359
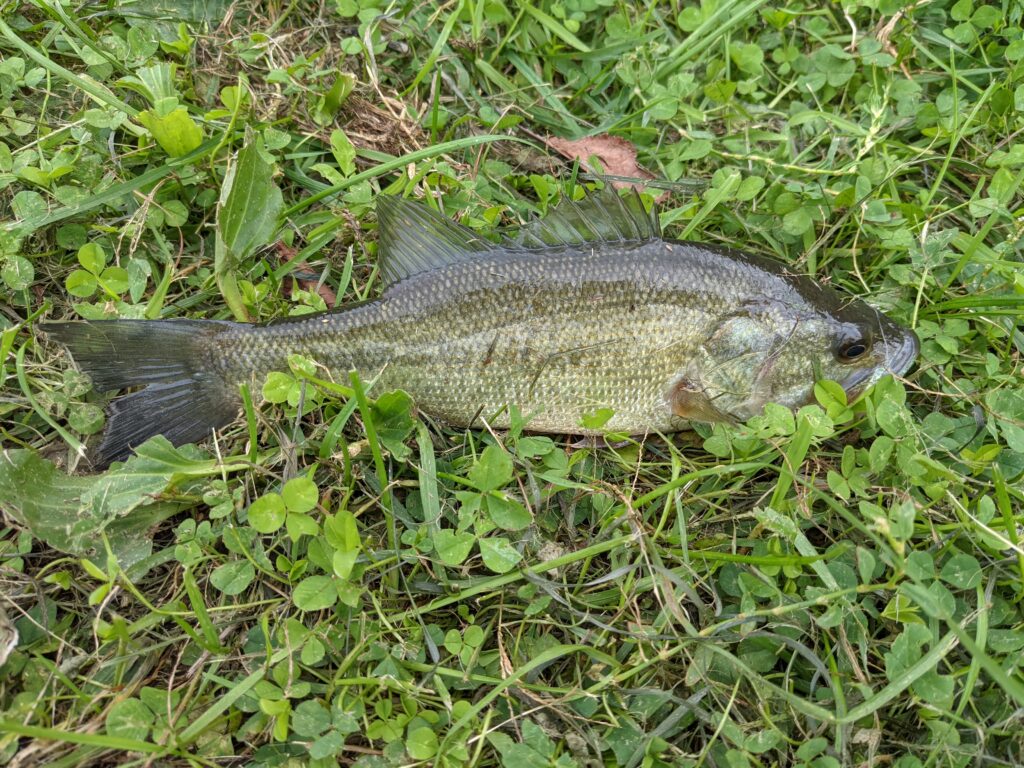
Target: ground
column 337, row 580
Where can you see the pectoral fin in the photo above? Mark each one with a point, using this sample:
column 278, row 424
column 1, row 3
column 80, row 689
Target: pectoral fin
column 689, row 401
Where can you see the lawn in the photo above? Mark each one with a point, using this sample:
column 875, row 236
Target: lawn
column 340, row 580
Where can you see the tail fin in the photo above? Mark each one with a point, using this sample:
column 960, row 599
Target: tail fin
column 185, row 396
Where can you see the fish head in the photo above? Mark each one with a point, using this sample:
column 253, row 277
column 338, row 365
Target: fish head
column 865, row 345
column 775, row 351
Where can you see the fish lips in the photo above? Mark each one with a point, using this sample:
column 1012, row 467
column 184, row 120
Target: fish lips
column 905, row 353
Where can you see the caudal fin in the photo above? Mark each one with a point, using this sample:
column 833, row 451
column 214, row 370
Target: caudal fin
column 185, row 396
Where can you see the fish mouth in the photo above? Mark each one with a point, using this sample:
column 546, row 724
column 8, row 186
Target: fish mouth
column 904, row 355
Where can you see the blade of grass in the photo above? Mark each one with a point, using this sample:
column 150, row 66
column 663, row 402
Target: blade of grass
column 378, row 464
column 540, row 660
column 497, row 582
column 101, row 740
column 19, row 366
column 793, row 459
column 427, row 477
column 221, row 704
column 115, row 192
column 711, row 31
column 399, row 163
column 554, row 26
column 439, row 44
column 84, row 83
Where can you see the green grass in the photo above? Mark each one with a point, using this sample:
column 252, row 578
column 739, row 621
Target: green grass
column 338, row 580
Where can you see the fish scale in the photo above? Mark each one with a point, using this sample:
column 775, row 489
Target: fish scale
column 587, row 309
column 556, row 335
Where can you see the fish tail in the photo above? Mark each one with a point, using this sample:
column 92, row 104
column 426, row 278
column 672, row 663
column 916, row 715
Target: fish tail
column 186, row 394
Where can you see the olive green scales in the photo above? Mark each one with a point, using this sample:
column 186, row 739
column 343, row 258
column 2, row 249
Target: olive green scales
column 587, row 309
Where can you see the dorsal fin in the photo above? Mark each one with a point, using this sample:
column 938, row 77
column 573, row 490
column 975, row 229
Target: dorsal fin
column 600, row 217
column 415, row 239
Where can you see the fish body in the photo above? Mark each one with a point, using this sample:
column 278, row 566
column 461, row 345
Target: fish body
column 589, row 309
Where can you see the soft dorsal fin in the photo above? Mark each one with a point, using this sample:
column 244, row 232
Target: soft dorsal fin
column 415, row 239
column 600, row 217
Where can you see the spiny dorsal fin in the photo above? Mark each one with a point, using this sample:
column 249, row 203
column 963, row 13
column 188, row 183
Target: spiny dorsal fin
column 415, row 239
column 600, row 217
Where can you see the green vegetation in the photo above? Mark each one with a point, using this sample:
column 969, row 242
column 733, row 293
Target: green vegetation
column 337, row 578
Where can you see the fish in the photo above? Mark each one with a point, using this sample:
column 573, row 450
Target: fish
column 586, row 315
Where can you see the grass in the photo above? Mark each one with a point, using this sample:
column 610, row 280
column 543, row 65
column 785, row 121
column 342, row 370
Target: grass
column 338, row 581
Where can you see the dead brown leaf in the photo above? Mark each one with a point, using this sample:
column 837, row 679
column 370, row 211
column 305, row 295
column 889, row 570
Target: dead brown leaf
column 885, row 29
column 285, row 254
column 617, row 156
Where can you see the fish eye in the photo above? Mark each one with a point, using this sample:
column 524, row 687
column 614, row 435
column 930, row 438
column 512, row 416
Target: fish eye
column 854, row 350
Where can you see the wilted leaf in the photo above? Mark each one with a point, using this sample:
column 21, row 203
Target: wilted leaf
column 453, row 548
column 307, row 281
column 71, row 513
column 508, row 513
column 130, row 719
column 182, row 10
column 9, row 636
column 18, row 273
column 233, row 577
column 327, row 745
column 615, row 156
column 310, row 719
column 518, row 755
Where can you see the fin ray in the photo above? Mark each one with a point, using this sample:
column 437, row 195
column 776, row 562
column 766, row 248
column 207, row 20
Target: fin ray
column 414, row 239
column 600, row 217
